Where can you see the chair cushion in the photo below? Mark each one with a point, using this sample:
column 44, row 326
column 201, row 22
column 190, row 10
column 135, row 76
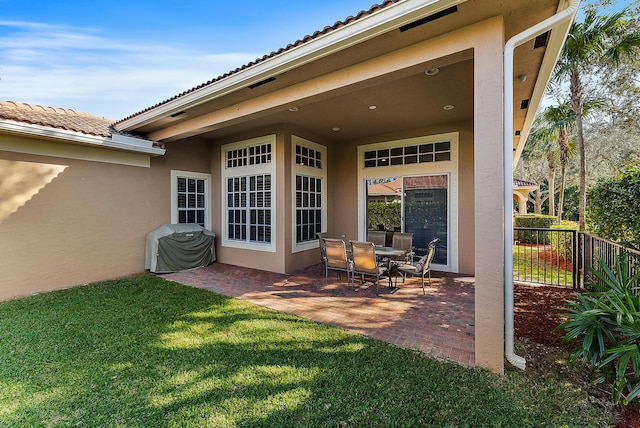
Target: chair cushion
column 421, row 262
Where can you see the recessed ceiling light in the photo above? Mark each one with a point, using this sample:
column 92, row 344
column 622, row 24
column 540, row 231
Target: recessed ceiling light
column 432, row 71
column 373, row 107
column 294, row 109
column 448, row 107
column 335, row 128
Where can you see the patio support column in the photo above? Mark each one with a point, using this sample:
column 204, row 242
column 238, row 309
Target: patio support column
column 489, row 201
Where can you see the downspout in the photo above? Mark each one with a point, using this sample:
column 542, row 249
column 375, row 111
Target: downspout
column 515, row 41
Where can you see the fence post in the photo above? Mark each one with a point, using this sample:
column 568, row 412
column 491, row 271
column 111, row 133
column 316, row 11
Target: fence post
column 574, row 250
column 588, row 257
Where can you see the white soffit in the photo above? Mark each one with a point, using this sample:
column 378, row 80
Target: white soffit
column 339, row 39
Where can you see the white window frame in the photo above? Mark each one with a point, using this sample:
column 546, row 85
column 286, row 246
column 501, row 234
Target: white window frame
column 268, row 168
column 175, row 174
column 307, row 171
column 449, row 168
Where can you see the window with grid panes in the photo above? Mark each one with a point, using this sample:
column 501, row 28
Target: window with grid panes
column 248, row 193
column 249, row 208
column 308, row 157
column 191, row 204
column 308, row 188
column 308, row 208
column 407, row 155
column 252, row 155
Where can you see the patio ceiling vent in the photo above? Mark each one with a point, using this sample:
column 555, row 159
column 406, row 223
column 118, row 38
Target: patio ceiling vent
column 262, row 82
column 429, row 18
column 524, row 105
column 541, row 40
column 176, row 247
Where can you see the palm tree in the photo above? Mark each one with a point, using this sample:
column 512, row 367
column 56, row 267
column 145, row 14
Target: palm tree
column 597, row 41
column 541, row 140
column 560, row 118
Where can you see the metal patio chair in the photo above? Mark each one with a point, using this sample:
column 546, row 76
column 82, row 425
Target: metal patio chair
column 378, row 237
column 336, row 257
column 365, row 262
column 422, row 266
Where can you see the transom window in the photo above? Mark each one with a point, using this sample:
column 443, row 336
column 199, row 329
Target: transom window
column 252, row 155
column 308, row 157
column 407, row 155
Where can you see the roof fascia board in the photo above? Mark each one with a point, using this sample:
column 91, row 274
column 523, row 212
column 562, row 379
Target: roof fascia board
column 552, row 53
column 364, row 29
column 66, row 136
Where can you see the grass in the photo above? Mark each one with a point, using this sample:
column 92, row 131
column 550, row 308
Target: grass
column 143, row 352
column 531, row 264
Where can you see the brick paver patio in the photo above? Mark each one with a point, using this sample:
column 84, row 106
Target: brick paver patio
column 440, row 323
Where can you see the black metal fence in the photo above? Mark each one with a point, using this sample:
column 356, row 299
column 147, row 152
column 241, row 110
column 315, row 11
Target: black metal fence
column 594, row 248
column 562, row 256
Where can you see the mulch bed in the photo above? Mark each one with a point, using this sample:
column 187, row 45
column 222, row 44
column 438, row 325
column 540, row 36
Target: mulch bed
column 538, row 311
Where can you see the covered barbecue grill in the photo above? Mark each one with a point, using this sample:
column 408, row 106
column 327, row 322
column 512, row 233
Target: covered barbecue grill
column 175, row 247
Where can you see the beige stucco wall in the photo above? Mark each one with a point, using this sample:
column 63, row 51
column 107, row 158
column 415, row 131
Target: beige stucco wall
column 489, row 186
column 65, row 222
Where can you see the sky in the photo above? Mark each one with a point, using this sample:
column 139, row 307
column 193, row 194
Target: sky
column 116, row 58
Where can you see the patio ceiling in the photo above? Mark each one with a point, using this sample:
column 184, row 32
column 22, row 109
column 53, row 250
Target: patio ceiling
column 379, row 107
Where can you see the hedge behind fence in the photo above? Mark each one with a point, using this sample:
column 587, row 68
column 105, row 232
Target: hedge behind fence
column 532, row 221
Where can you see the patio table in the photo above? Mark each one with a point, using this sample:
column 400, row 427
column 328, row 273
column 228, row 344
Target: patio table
column 389, row 254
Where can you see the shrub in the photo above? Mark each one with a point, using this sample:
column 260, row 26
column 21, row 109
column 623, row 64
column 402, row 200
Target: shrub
column 612, row 208
column 535, row 221
column 382, row 213
column 607, row 322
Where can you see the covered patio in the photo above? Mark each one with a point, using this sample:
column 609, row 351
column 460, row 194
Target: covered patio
column 439, row 324
column 424, row 92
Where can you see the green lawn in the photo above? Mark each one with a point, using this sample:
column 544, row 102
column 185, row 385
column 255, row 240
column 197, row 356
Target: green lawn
column 531, row 264
column 147, row 352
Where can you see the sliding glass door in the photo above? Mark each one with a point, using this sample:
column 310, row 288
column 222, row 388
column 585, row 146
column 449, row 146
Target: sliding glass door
column 414, row 204
column 425, row 212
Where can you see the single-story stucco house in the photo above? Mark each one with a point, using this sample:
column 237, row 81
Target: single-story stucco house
column 268, row 154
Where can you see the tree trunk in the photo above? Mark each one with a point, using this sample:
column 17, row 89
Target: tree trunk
column 551, row 180
column 563, row 181
column 577, row 104
column 537, row 201
column 563, row 143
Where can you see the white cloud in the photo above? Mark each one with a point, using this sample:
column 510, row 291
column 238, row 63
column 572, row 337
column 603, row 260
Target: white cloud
column 81, row 69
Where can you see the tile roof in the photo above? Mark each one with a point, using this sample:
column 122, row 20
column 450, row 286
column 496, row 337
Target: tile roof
column 59, row 118
column 523, row 183
column 390, row 188
column 305, row 39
